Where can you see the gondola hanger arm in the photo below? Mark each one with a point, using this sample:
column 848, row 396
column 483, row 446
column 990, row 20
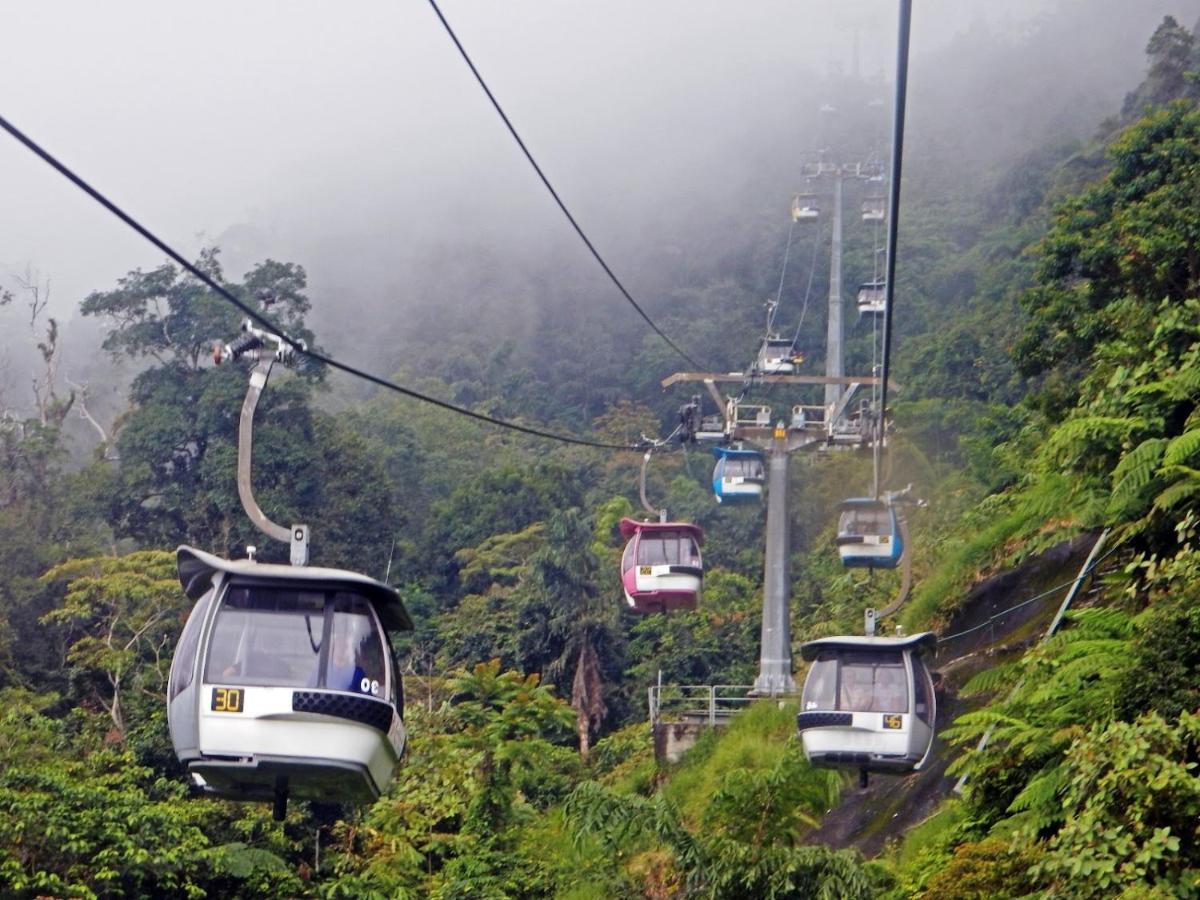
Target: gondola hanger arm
column 253, row 341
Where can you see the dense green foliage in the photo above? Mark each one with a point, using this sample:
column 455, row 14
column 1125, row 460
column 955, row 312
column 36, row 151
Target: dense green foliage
column 1050, row 369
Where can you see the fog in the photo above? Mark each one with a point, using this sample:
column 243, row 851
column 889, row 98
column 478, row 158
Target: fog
column 352, row 138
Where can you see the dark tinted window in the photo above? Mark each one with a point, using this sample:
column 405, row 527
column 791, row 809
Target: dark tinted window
column 922, row 691
column 864, row 520
column 668, row 549
column 183, row 666
column 820, row 688
column 857, row 681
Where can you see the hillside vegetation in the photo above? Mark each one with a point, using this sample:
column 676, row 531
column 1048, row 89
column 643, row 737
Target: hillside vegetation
column 1049, row 363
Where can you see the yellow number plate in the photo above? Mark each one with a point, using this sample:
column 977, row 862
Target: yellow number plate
column 227, row 700
column 646, row 570
column 893, row 722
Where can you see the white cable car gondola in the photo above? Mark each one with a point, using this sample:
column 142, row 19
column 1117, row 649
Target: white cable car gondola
column 738, row 475
column 868, row 703
column 873, row 209
column 804, row 208
column 284, row 683
column 872, row 297
column 661, row 569
column 778, row 356
column 868, row 534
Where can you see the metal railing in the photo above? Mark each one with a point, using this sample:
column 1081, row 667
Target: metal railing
column 700, row 704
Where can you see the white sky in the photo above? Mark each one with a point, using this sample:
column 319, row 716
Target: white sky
column 354, row 130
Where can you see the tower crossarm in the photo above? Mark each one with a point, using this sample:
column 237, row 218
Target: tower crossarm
column 740, row 377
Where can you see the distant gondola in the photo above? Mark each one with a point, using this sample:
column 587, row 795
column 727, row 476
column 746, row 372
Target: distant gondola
column 778, row 356
column 872, row 297
column 738, row 475
column 804, row 208
column 661, row 569
column 868, row 534
column 868, row 703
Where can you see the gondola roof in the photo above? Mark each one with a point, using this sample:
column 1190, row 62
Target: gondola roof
column 862, row 503
column 926, row 641
column 197, row 568
column 630, row 527
column 736, row 453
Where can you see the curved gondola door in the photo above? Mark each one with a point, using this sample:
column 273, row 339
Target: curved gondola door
column 284, row 683
column 738, row 475
column 868, row 534
column 868, row 702
column 661, row 568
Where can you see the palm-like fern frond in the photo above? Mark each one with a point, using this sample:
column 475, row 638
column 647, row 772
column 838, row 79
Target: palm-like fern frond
column 1182, row 448
column 1089, row 432
column 1136, row 469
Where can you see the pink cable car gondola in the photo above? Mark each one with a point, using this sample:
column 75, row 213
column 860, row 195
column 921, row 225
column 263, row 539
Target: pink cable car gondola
column 661, row 568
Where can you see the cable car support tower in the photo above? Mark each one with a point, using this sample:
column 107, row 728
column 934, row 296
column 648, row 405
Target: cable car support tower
column 811, row 428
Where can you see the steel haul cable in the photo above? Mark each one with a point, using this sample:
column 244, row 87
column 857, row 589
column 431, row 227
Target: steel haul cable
column 553, row 193
column 266, row 323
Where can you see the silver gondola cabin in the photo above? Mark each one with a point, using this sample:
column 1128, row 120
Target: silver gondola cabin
column 868, row 702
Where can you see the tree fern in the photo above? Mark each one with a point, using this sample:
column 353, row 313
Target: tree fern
column 1183, row 489
column 1182, row 448
column 1038, row 806
column 989, row 680
column 1076, row 437
column 1135, row 471
column 1065, row 684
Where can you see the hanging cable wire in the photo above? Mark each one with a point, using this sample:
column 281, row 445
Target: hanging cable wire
column 894, row 197
column 812, row 269
column 297, row 345
column 553, row 193
column 787, row 252
column 994, row 617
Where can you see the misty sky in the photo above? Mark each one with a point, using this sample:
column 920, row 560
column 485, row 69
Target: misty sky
column 351, row 138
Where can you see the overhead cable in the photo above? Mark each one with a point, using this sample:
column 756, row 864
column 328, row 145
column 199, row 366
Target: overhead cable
column 787, row 253
column 812, row 268
column 553, row 193
column 295, row 344
column 893, row 224
column 995, row 617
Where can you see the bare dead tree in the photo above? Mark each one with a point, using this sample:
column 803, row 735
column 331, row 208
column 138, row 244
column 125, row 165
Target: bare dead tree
column 51, row 407
column 108, row 448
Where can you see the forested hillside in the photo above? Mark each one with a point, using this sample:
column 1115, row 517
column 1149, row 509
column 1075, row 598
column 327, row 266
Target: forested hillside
column 1047, row 369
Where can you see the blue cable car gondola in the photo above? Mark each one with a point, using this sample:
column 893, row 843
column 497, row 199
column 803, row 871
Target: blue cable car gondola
column 868, row 534
column 738, row 475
